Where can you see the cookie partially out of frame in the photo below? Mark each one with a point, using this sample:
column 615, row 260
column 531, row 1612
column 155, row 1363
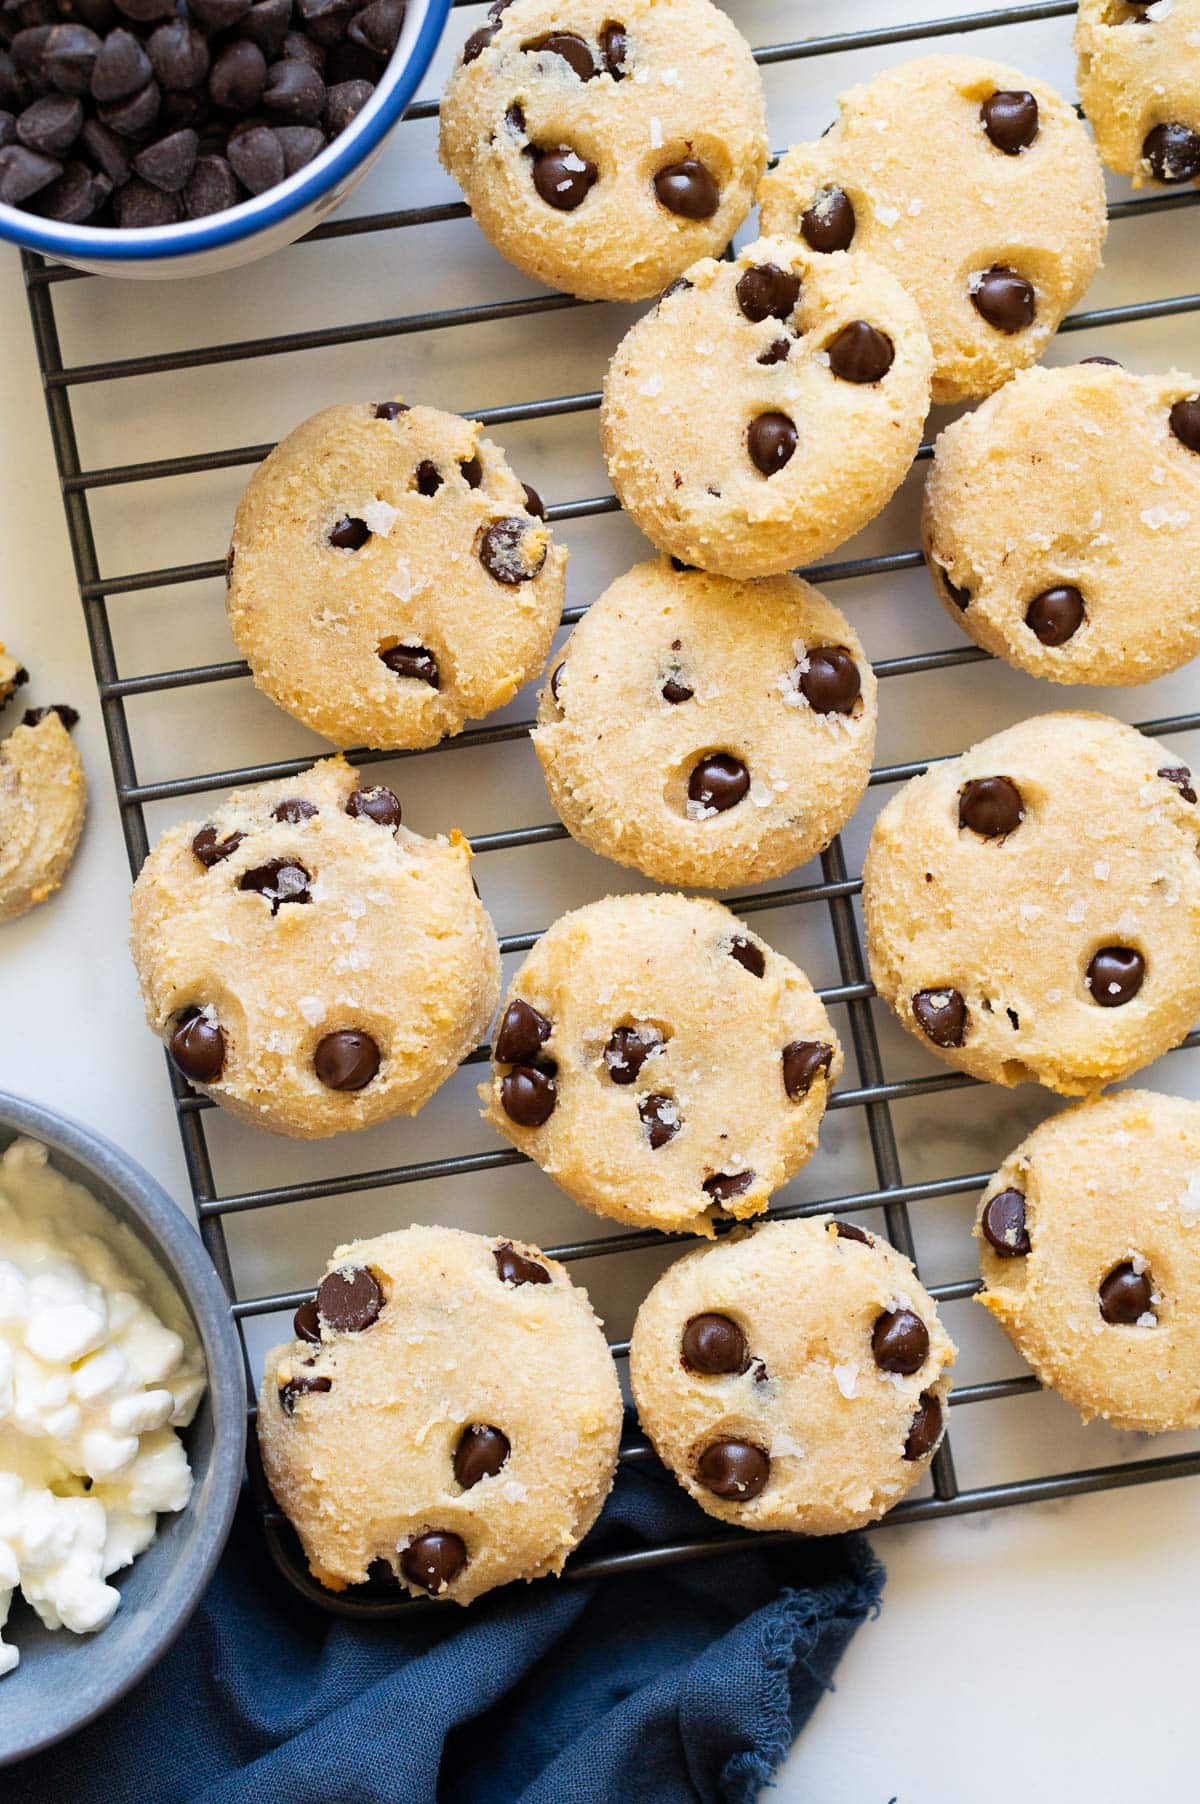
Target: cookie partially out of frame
column 1139, row 80
column 43, row 800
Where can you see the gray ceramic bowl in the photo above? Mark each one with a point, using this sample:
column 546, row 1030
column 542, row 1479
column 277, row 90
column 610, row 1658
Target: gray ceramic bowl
column 65, row 1680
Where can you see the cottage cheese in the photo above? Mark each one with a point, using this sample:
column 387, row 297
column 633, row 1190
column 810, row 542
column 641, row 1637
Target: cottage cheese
column 99, row 1365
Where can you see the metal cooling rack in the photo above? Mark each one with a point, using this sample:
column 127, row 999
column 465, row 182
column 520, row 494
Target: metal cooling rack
column 876, row 1093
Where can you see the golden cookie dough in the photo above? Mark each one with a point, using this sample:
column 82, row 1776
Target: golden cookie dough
column 12, row 675
column 794, row 1376
column 1033, row 906
column 1062, row 523
column 447, row 1416
column 706, row 731
column 976, row 186
column 767, row 408
column 661, row 1063
column 1138, row 68
column 43, row 799
column 389, row 577
column 313, row 965
column 1089, row 1247
column 603, row 152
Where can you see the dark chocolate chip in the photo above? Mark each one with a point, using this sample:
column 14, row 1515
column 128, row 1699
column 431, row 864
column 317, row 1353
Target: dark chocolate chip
column 377, row 26
column 991, row 807
column 69, row 56
column 51, row 125
column 941, row 1015
column 478, row 42
column 522, row 1033
column 512, row 551
column 1110, row 361
column 1115, row 975
column 1056, row 614
column 571, row 48
column 350, row 1299
column 714, row 1345
column 734, row 1470
column 304, row 50
column 861, row 353
column 926, row 1427
column 74, row 196
column 350, row 533
column 1002, row 1224
column 680, row 285
column 133, row 117
column 778, row 351
column 1010, row 119
column 210, row 850
column 415, row 661
column 1126, row 1295
column 346, row 1060
column 563, row 178
column 614, row 48
column 748, row 955
column 121, row 67
column 375, row 803
column 514, row 1268
column 959, row 595
column 178, row 54
column 324, row 20
column 434, row 1560
column 528, row 1095
column 266, row 24
column 23, row 172
column 767, row 292
column 280, row 880
column 343, row 102
column 294, row 93
column 197, row 1046
column 848, row 1230
column 144, row 12
column 1185, row 422
column 256, row 158
column 674, row 691
column 556, row 677
column 688, row 188
column 718, row 782
column 482, row 1451
column 900, row 1342
column 802, row 1060
column 169, row 162
column 771, row 439
column 1004, row 299
column 139, row 204
column 429, row 478
column 105, row 150
column 292, row 810
column 69, row 716
column 533, row 502
column 211, row 188
column 347, row 61
column 1181, row 777
column 1173, row 153
column 828, row 222
column 238, row 76
column 306, row 1323
column 218, row 15
column 472, row 471
column 831, row 684
column 660, row 1118
column 723, row 1186
column 303, row 1385
column 390, row 410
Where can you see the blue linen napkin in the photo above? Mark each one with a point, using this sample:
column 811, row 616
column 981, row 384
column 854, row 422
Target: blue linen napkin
column 681, row 1685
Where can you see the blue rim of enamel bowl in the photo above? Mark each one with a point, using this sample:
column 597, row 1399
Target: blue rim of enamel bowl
column 112, row 244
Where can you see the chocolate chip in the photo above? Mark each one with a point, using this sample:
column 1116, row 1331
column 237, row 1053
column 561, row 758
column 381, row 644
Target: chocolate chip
column 767, row 292
column 266, row 24
column 714, row 1345
column 434, row 1560
column 926, row 1428
column 238, row 76
column 734, row 1470
column 197, row 1046
column 429, row 478
column 256, row 158
column 748, row 955
column 723, row 1186
column 478, row 42
column 135, row 116
column 303, row 1385
column 144, row 12
column 1110, row 361
column 522, row 1033
column 674, row 691
column 415, row 661
column 350, row 533
column 941, row 1015
column 778, row 351
column 718, row 782
column 614, row 48
column 482, row 1451
column 533, row 502
column 138, row 204
column 802, row 1060
column 1003, row 1224
column 1056, row 614
column 556, row 677
column 178, row 54
column 1115, row 975
column 105, row 150
column 346, row 1060
column 211, row 188
column 563, row 178
column 1004, row 299
column 660, row 1118
column 472, row 471
column 381, row 1575
column 514, row 1268
column 828, row 222
column 848, row 1230
column 306, row 1323
column 528, row 1095
column 121, row 67
column 1181, row 777
column 1010, row 119
column 69, row 56
column 349, row 1300
column 831, row 684
column 210, row 850
column 390, row 410
column 218, row 15
column 74, row 196
column 169, row 162
column 512, row 551
column 23, row 172
column 1185, row 422
column 1173, row 153
column 861, row 353
column 571, row 48
column 294, row 93
column 292, row 810
column 1126, row 1295
column 51, row 125
column 377, row 27
column 900, row 1342
column 771, row 439
column 376, row 803
column 629, row 1048
column 344, row 101
column 680, row 285
column 688, row 188
column 961, row 597
column 280, row 880
column 990, row 806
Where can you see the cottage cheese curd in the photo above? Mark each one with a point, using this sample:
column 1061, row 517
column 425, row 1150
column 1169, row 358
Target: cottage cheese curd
column 99, row 1365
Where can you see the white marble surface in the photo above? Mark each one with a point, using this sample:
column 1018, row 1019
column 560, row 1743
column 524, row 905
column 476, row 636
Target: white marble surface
column 1063, row 1632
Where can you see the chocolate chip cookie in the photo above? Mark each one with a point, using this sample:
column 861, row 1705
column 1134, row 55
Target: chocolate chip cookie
column 1043, row 544
column 12, row 675
column 767, row 408
column 1033, row 907
column 310, row 962
column 976, row 186
column 603, row 152
column 1090, row 1257
column 1139, row 79
column 795, row 1376
column 706, row 731
column 446, row 1418
column 661, row 1062
column 389, row 577
column 43, row 799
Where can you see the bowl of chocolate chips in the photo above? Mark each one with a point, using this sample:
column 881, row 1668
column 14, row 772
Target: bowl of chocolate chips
column 179, row 137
